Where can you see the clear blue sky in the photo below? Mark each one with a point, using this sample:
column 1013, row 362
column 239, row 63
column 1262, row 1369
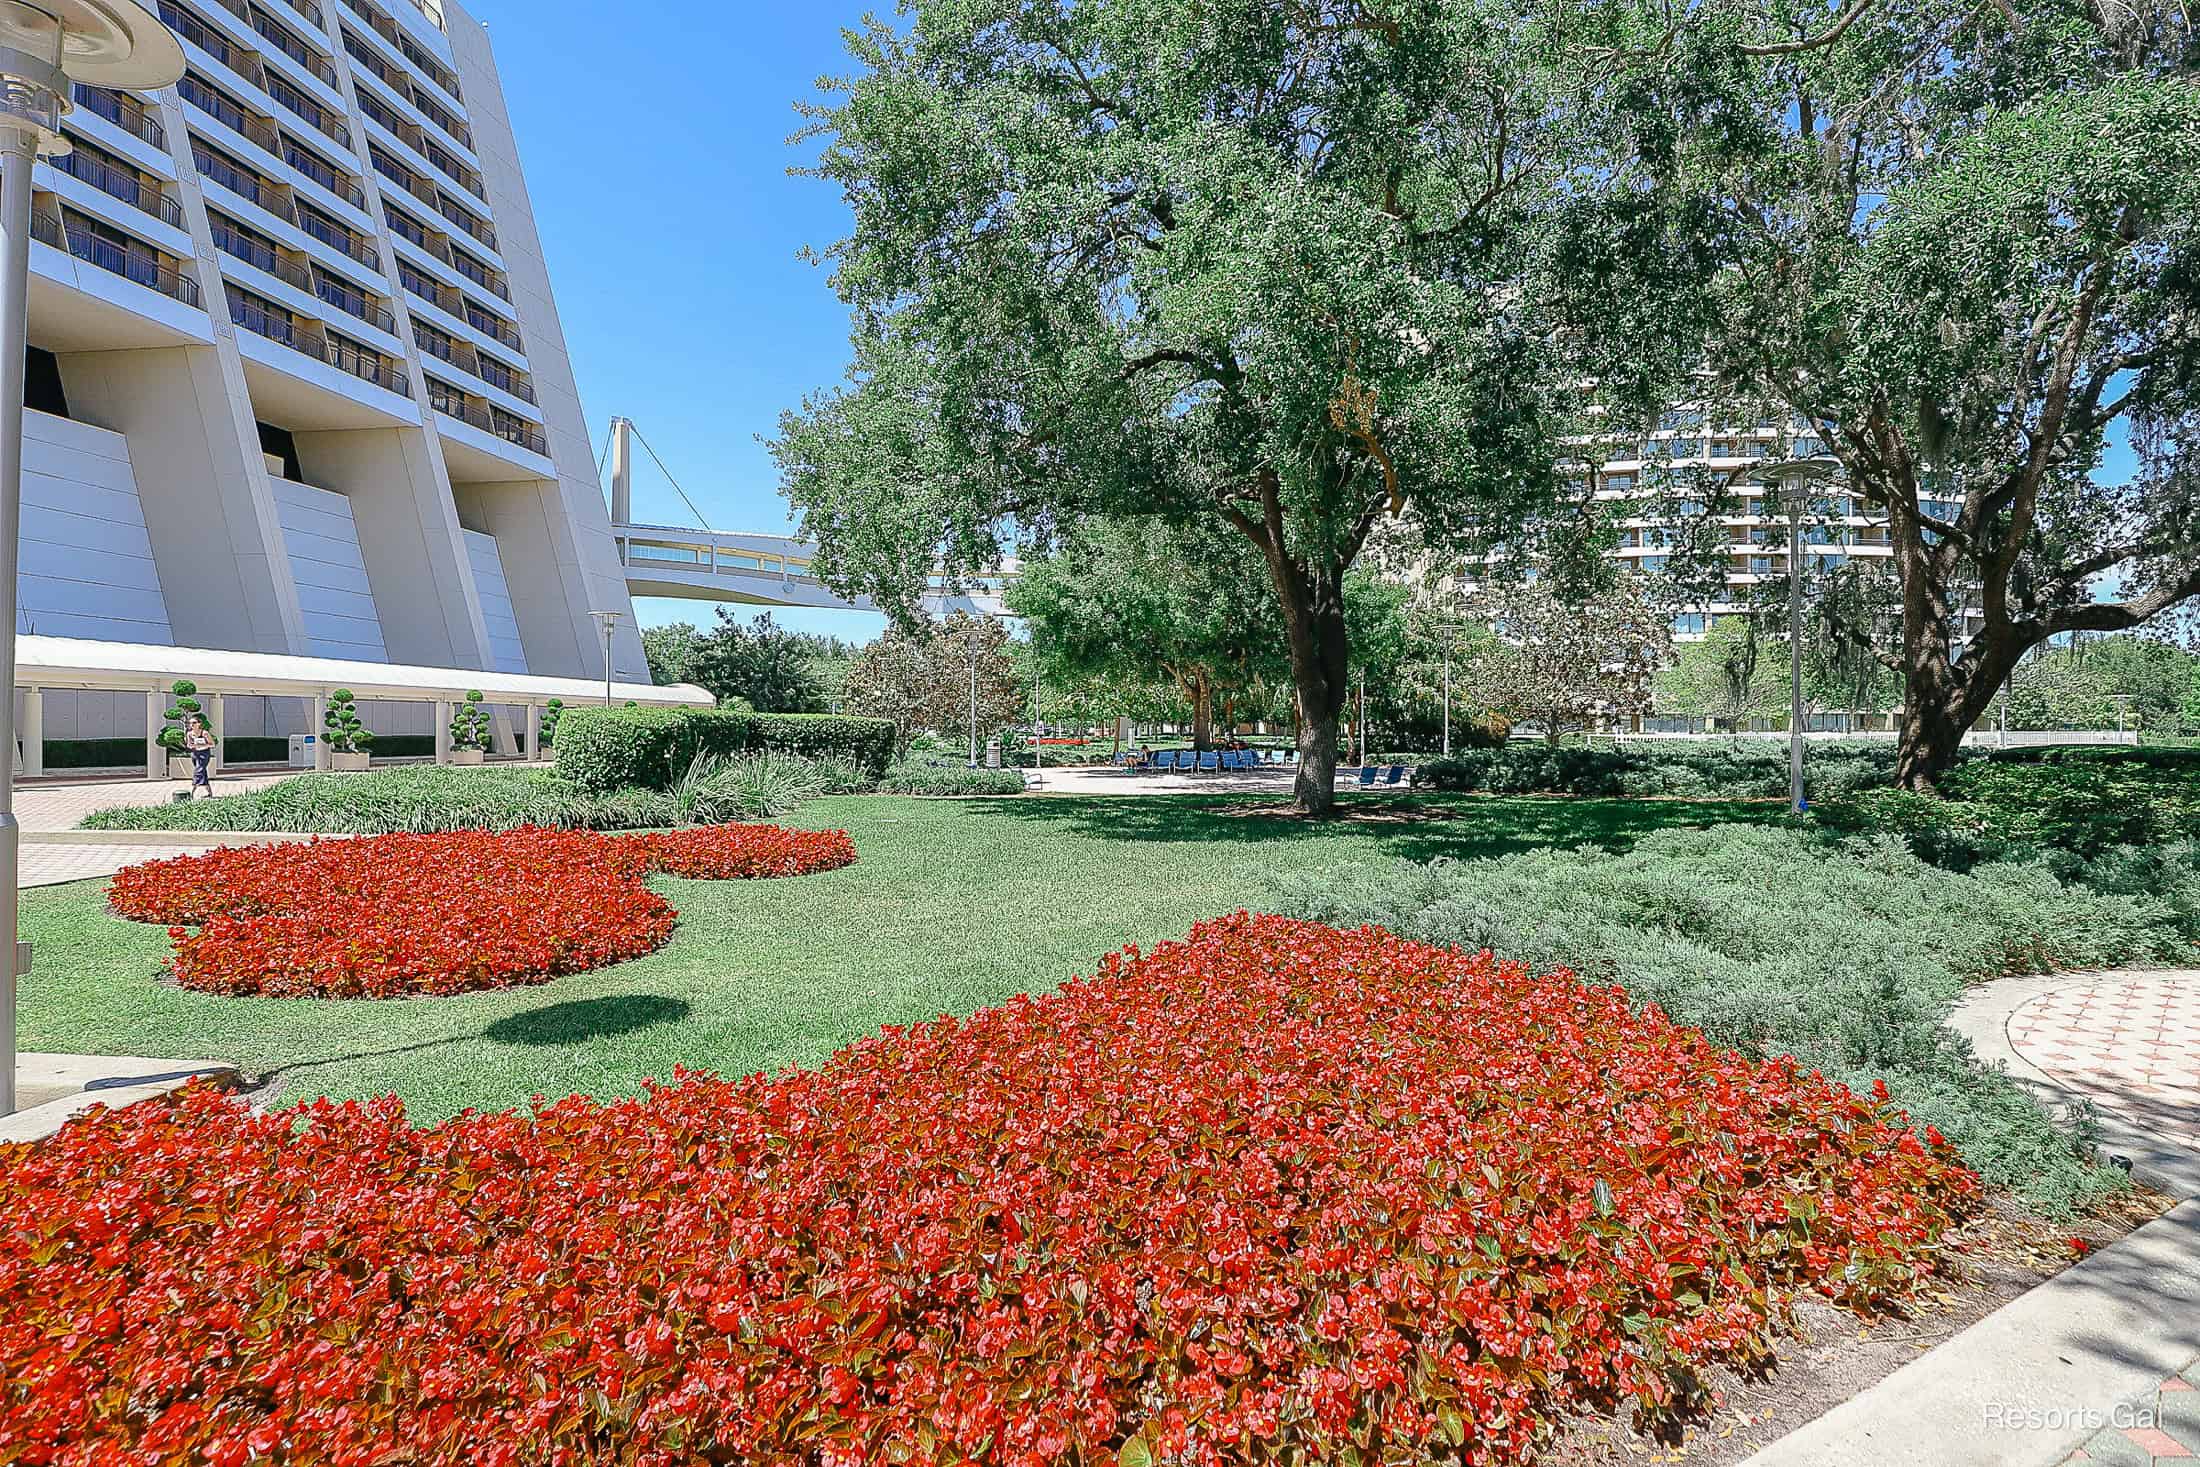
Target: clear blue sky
column 655, row 141
column 654, row 136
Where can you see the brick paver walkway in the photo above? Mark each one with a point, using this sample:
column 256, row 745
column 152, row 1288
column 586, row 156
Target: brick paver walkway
column 2129, row 1041
column 2158, row 1428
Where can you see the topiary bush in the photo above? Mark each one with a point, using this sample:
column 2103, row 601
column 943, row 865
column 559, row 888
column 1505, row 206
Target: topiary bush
column 551, row 713
column 346, row 734
column 179, row 714
column 470, row 724
column 650, row 748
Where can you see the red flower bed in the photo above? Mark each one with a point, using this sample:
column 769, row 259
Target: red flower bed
column 444, row 913
column 740, row 852
column 1273, row 1190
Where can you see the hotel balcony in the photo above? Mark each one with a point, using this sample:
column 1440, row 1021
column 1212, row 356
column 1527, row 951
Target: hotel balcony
column 313, row 377
column 482, row 443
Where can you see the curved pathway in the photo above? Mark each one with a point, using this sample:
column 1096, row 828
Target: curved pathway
column 2130, row 1042
column 2100, row 1364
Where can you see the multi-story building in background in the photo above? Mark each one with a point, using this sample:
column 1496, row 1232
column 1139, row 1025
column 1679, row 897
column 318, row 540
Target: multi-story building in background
column 297, row 381
column 1671, row 475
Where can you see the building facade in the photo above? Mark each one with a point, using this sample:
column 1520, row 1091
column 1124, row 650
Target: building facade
column 1692, row 447
column 297, row 382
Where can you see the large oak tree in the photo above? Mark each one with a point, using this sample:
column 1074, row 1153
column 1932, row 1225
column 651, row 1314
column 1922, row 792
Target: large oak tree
column 1964, row 239
column 1286, row 267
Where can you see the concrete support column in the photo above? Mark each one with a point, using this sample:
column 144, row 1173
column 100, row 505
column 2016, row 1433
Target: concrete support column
column 443, row 731
column 534, row 733
column 318, row 731
column 156, row 716
column 216, row 722
column 33, row 729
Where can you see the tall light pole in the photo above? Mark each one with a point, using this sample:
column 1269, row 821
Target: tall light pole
column 609, row 621
column 1793, row 481
column 1447, row 694
column 44, row 48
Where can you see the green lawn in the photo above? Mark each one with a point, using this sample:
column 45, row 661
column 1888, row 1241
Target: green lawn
column 953, row 905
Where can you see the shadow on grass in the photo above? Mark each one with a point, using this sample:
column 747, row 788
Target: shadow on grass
column 584, row 1019
column 1416, row 826
column 574, row 1022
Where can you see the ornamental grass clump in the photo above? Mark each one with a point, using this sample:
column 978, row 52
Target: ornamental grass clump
column 392, row 915
column 1274, row 1193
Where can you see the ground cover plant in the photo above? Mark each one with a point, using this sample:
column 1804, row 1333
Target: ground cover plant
column 949, row 777
column 391, row 915
column 1274, row 1192
column 1781, row 941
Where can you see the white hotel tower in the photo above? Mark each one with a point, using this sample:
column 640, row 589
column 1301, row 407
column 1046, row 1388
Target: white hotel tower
column 297, row 383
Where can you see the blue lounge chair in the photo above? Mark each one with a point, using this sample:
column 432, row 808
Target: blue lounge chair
column 1367, row 774
column 1209, row 761
column 1165, row 760
column 1229, row 761
column 1397, row 772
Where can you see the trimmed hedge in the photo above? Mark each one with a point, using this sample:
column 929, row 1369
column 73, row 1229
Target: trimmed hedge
column 949, row 779
column 1725, row 768
column 614, row 748
column 2082, row 801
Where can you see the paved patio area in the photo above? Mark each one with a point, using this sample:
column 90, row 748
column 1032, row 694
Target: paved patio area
column 2128, row 1042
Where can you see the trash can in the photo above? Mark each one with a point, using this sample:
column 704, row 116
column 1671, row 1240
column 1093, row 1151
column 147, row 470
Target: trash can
column 301, row 751
column 992, row 753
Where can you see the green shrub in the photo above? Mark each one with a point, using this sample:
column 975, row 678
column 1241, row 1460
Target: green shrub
column 1722, row 768
column 470, row 723
column 255, row 749
column 95, row 754
column 1846, row 955
column 2084, row 801
column 949, row 779
column 341, row 726
column 605, row 748
column 413, row 798
column 178, row 715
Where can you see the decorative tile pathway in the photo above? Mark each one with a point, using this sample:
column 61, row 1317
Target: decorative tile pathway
column 2155, row 1429
column 2130, row 1042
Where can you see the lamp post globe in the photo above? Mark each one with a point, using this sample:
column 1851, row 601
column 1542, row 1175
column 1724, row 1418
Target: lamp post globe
column 46, row 49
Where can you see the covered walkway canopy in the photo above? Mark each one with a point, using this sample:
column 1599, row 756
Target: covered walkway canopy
column 76, row 664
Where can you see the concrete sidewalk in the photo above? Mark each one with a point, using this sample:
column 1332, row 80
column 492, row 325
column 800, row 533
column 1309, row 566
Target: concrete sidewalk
column 2100, row 1363
column 49, row 1088
column 2070, row 1363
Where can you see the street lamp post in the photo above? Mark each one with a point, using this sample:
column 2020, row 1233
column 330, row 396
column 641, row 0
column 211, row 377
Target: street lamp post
column 1792, row 481
column 1447, row 694
column 609, row 621
column 44, row 49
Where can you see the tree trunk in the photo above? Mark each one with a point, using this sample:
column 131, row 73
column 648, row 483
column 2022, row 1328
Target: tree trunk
column 1942, row 699
column 1930, row 740
column 1203, row 712
column 1314, row 622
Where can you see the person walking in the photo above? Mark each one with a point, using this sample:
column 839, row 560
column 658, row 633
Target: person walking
column 198, row 742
